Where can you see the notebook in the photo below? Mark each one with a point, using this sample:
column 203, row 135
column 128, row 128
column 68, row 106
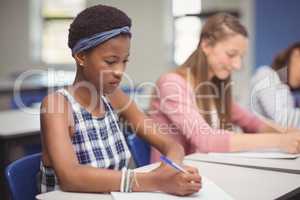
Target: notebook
column 261, row 154
column 276, row 161
column 208, row 191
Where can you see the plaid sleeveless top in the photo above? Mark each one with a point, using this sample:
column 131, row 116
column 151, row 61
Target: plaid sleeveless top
column 97, row 142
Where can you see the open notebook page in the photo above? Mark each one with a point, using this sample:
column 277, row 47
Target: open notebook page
column 208, row 191
column 271, row 154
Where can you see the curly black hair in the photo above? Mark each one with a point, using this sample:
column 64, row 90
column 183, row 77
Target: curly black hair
column 94, row 20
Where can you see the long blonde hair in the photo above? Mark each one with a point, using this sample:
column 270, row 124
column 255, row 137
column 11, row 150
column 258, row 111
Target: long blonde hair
column 217, row 27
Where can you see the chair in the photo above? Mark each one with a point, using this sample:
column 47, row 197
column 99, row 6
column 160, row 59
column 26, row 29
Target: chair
column 21, row 177
column 28, row 98
column 140, row 150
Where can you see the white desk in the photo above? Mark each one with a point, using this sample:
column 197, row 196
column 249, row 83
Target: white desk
column 283, row 165
column 247, row 183
column 239, row 182
column 18, row 131
column 19, row 123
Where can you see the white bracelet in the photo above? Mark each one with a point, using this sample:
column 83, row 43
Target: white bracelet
column 135, row 180
column 127, row 180
column 131, row 180
column 122, row 180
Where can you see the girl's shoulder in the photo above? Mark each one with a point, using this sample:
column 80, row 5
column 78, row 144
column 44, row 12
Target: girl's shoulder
column 55, row 104
column 54, row 100
column 263, row 72
column 172, row 82
column 265, row 75
column 171, row 77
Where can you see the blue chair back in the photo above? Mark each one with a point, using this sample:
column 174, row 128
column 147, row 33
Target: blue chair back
column 21, row 176
column 140, row 150
column 28, row 98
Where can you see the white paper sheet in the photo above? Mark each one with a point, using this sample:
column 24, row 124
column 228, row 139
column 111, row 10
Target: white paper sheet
column 271, row 154
column 208, row 191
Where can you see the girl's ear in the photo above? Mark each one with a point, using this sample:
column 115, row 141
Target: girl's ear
column 206, row 46
column 80, row 59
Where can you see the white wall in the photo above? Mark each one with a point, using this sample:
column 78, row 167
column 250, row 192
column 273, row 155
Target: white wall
column 152, row 36
column 14, row 35
column 151, row 42
column 244, row 77
column 151, row 52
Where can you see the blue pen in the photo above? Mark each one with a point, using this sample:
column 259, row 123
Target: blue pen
column 172, row 164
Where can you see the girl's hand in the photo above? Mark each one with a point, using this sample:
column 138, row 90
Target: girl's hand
column 178, row 183
column 290, row 143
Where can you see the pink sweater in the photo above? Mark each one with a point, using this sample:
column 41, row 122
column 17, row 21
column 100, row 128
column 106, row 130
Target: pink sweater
column 175, row 111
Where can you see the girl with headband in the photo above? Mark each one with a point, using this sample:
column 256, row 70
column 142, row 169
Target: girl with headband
column 83, row 148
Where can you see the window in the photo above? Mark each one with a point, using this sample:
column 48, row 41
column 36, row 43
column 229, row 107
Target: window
column 57, row 16
column 187, row 28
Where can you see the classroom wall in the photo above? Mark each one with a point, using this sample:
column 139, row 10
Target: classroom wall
column 152, row 36
column 14, row 36
column 151, row 52
column 277, row 25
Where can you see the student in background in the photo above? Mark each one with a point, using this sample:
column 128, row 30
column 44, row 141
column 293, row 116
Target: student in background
column 193, row 102
column 83, row 149
column 272, row 88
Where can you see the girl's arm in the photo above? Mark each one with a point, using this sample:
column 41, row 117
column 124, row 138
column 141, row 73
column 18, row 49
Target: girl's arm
column 178, row 105
column 144, row 126
column 268, row 137
column 252, row 123
column 272, row 127
column 59, row 154
column 55, row 123
column 289, row 143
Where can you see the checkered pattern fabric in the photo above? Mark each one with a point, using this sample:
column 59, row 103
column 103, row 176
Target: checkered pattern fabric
column 98, row 142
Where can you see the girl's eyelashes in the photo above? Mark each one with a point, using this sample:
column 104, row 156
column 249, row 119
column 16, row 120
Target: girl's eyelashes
column 231, row 54
column 114, row 62
column 110, row 62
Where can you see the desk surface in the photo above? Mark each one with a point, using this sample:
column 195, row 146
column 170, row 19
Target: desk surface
column 283, row 165
column 249, row 183
column 239, row 182
column 18, row 122
column 37, row 79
